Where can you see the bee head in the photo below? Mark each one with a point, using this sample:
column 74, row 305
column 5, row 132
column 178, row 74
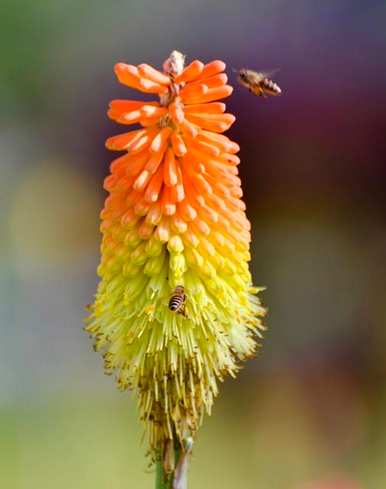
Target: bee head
column 243, row 74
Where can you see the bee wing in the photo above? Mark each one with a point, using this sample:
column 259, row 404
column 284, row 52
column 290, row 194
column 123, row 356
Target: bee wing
column 268, row 73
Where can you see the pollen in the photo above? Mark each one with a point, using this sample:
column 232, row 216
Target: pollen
column 174, row 217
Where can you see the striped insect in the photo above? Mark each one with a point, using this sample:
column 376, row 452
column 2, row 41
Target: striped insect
column 177, row 300
column 258, row 82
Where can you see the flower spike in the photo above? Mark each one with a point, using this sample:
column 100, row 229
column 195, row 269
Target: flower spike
column 175, row 311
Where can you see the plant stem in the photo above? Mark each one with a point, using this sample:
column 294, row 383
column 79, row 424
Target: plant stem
column 162, row 481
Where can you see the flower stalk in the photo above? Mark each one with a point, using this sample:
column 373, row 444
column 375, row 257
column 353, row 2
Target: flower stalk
column 163, row 480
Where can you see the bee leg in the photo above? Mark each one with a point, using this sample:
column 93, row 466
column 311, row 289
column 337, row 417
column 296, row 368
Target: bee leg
column 183, row 311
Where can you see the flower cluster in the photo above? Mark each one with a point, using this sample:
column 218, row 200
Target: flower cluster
column 174, row 217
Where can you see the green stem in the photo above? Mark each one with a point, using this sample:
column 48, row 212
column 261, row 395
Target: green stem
column 162, row 481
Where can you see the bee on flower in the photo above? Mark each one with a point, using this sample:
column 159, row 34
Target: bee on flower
column 174, row 216
column 177, row 300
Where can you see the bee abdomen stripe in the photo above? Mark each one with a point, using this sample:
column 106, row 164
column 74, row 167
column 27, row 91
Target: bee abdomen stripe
column 175, row 302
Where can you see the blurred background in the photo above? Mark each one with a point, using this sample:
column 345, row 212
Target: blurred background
column 309, row 411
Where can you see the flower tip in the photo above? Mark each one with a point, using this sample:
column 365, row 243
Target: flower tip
column 175, row 245
column 191, row 72
column 174, row 64
column 118, row 66
column 109, row 143
column 218, row 63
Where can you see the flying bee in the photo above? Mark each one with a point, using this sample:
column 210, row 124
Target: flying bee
column 258, row 82
column 177, row 300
